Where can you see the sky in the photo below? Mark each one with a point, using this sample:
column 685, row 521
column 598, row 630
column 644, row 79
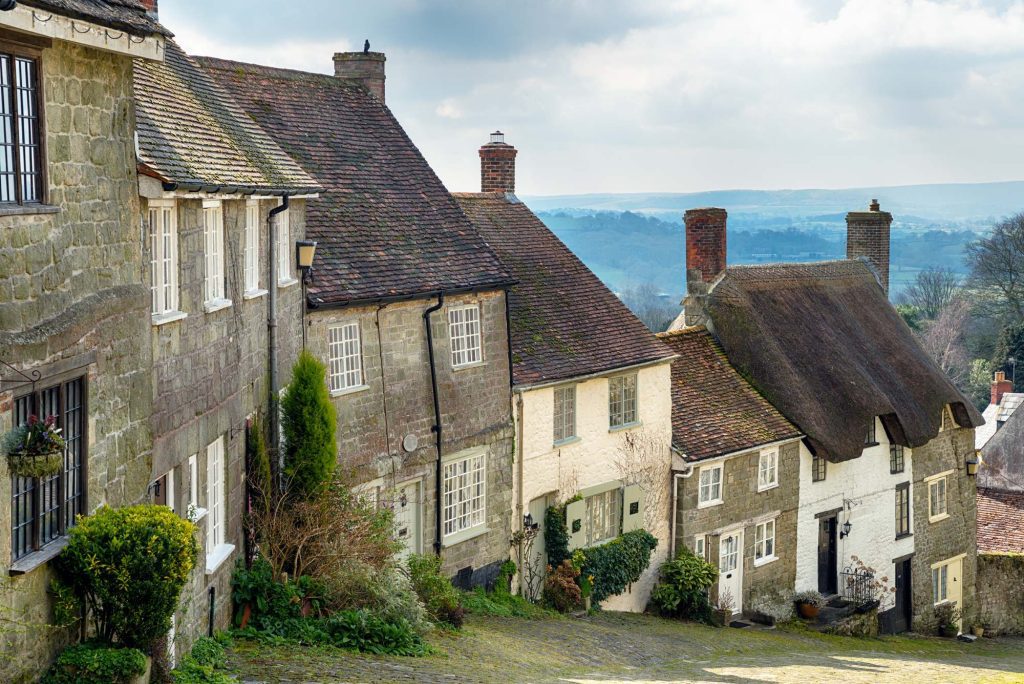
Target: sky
column 669, row 95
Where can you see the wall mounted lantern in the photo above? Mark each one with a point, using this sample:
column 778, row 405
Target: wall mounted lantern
column 972, row 462
column 847, row 526
column 305, row 250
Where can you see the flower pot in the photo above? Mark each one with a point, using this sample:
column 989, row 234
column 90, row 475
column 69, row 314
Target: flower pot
column 27, row 464
column 246, row 614
column 978, row 631
column 808, row 611
column 719, row 617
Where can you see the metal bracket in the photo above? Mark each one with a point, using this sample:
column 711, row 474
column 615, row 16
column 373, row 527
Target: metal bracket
column 12, row 383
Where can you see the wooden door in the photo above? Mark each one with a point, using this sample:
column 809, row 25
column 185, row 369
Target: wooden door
column 828, row 561
column 902, row 610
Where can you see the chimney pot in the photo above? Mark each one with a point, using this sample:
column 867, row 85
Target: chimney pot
column 867, row 235
column 1000, row 386
column 151, row 8
column 498, row 165
column 365, row 68
column 874, row 205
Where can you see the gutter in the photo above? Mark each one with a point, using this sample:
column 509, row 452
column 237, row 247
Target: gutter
column 170, row 186
column 721, row 457
column 597, row 374
column 437, row 427
column 275, row 383
column 316, row 303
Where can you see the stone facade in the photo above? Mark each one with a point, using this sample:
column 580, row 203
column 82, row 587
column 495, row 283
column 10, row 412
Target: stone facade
column 385, row 437
column 741, row 509
column 210, row 374
column 1000, row 593
column 72, row 303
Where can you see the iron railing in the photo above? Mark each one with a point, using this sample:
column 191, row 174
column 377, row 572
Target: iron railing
column 856, row 585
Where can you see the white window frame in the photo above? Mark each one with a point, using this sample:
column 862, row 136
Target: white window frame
column 764, row 542
column 285, row 248
column 217, row 547
column 345, row 358
column 602, row 521
column 564, row 414
column 163, row 261
column 709, row 500
column 768, row 469
column 700, row 546
column 935, row 483
column 193, row 511
column 940, row 583
column 623, row 401
column 464, row 496
column 465, row 335
column 214, row 293
column 252, row 250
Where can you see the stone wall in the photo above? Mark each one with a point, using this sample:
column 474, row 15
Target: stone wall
column 72, row 301
column 1000, row 593
column 210, row 372
column 394, row 410
column 743, row 506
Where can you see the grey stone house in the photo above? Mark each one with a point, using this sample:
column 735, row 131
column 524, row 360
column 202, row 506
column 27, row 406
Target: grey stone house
column 886, row 487
column 209, row 180
column 73, row 306
column 407, row 308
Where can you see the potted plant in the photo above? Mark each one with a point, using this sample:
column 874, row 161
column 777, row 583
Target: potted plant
column 947, row 617
column 35, row 449
column 809, row 603
column 978, row 631
column 722, row 613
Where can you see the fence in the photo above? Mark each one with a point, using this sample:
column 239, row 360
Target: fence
column 856, row 585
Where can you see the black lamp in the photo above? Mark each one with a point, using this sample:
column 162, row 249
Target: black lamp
column 847, row 526
column 528, row 523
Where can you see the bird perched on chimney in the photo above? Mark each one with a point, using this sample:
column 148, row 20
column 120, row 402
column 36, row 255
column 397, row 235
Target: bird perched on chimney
column 366, row 47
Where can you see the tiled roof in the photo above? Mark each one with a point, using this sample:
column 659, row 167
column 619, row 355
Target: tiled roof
column 192, row 134
column 1000, row 521
column 565, row 323
column 1003, row 456
column 387, row 228
column 822, row 343
column 714, row 410
column 124, row 15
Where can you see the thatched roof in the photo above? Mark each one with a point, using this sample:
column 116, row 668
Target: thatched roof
column 822, row 343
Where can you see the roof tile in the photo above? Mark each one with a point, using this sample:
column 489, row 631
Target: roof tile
column 1000, row 521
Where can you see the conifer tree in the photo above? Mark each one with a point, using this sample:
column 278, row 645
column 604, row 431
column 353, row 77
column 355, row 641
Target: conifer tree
column 308, row 423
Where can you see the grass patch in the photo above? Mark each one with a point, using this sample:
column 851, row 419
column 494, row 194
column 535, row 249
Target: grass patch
column 501, row 604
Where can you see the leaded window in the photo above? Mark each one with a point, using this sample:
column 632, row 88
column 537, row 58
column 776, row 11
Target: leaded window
column 819, row 467
column 464, row 333
column 565, row 413
column 903, row 510
column 622, row 409
column 465, row 490
column 345, row 357
column 896, row 458
column 21, row 158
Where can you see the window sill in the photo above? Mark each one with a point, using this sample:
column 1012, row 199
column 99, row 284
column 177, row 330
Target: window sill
column 937, row 518
column 349, row 390
column 765, row 561
column 566, row 441
column 868, row 445
column 710, row 504
column 288, row 282
column 625, row 426
column 169, row 317
column 27, row 209
column 253, row 294
column 197, row 515
column 908, row 535
column 216, row 305
column 37, row 558
column 216, row 558
column 896, row 472
column 467, row 366
column 767, row 488
column 464, row 535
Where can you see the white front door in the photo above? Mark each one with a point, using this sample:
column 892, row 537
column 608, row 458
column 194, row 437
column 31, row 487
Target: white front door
column 407, row 517
column 730, row 571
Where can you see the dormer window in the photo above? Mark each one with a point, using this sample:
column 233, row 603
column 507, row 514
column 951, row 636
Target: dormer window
column 871, row 439
column 21, row 153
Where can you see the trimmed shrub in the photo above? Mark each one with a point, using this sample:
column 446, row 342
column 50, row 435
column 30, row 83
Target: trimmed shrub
column 95, row 663
column 683, row 589
column 560, row 589
column 435, row 590
column 308, row 422
column 617, row 564
column 127, row 567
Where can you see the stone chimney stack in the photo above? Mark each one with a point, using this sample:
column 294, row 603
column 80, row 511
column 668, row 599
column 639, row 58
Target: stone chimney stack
column 151, row 9
column 1000, row 386
column 867, row 235
column 498, row 165
column 366, row 68
column 705, row 258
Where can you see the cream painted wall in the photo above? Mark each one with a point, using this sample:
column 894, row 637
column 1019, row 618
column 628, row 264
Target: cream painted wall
column 866, row 491
column 595, row 457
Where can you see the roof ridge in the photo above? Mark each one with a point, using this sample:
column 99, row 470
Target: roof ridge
column 688, row 330
column 221, row 64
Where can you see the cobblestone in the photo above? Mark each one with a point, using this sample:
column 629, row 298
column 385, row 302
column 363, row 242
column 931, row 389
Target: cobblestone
column 616, row 647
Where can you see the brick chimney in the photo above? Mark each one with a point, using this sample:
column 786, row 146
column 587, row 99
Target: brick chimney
column 366, row 68
column 867, row 235
column 151, row 8
column 1000, row 386
column 705, row 258
column 498, row 165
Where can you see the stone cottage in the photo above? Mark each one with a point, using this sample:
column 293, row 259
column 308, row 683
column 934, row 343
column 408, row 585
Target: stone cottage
column 590, row 388
column 736, row 479
column 885, row 487
column 222, row 206
column 74, row 306
column 407, row 308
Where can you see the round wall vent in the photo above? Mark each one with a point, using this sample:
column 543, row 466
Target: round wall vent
column 410, row 442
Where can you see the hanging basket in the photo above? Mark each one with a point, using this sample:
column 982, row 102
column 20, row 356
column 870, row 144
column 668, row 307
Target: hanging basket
column 27, row 464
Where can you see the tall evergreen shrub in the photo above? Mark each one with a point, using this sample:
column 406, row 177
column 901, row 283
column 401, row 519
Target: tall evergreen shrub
column 307, row 424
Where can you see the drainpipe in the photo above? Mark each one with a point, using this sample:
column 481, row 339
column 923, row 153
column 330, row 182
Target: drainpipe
column 436, row 429
column 275, row 388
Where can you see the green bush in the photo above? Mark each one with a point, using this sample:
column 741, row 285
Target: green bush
column 435, row 590
column 307, row 424
column 127, row 567
column 502, row 604
column 272, row 601
column 556, row 535
column 202, row 664
column 358, row 630
column 683, row 588
column 618, row 563
column 561, row 591
column 95, row 663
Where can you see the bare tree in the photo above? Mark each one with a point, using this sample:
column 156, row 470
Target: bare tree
column 645, row 460
column 932, row 290
column 997, row 267
column 943, row 339
column 655, row 310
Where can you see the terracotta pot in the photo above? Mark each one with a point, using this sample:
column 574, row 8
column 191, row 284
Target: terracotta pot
column 808, row 611
column 307, row 607
column 978, row 631
column 246, row 614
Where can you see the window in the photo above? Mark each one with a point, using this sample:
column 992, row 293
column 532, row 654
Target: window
column 216, row 502
column 346, row 358
column 937, row 498
column 192, row 509
column 710, row 486
column 940, row 583
column 871, row 438
column 43, row 509
column 947, row 419
column 818, row 468
column 902, row 510
column 768, row 470
column 764, row 542
column 622, row 401
column 464, row 333
column 163, row 257
column 21, row 158
column 252, row 246
column 162, row 490
column 284, row 247
column 602, row 521
column 464, row 494
column 213, row 232
column 699, row 547
column 896, row 460
column 565, row 413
